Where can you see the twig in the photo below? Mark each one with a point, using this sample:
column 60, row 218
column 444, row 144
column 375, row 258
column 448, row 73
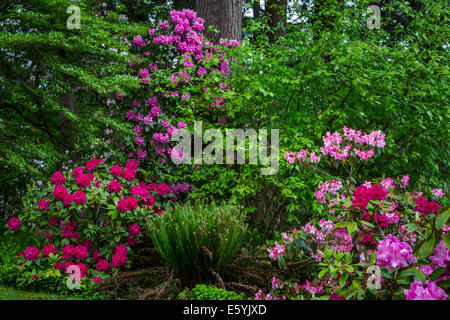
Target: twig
column 218, row 278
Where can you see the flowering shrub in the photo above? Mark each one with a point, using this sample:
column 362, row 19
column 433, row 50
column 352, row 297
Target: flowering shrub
column 91, row 217
column 382, row 240
column 181, row 77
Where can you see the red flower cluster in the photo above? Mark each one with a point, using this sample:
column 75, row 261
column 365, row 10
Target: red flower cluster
column 120, row 256
column 58, row 178
column 422, row 205
column 128, row 204
column 14, row 224
column 43, row 205
column 69, row 230
column 114, row 186
column 92, row 164
column 47, row 249
column 362, row 195
column 84, row 180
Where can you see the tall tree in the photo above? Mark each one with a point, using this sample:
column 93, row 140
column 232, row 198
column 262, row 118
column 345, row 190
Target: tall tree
column 53, row 87
column 225, row 15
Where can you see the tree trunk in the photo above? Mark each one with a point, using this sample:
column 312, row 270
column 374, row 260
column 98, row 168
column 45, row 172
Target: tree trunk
column 256, row 5
column 276, row 10
column 225, row 15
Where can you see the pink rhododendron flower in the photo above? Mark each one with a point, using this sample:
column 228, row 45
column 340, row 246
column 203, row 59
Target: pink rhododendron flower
column 102, row 265
column 438, row 193
column 114, row 186
column 84, row 180
column 441, row 256
column 67, row 251
column 79, row 197
column 14, row 224
column 391, row 253
column 116, row 170
column 120, row 256
column 31, row 253
column 98, row 280
column 277, row 250
column 92, row 164
column 58, row 178
column 163, row 189
column 47, row 249
column 127, row 204
column 430, row 292
column 138, row 41
column 59, row 192
column 77, row 172
column 404, row 181
column 43, row 205
column 129, row 174
column 80, row 252
column 83, row 269
column 134, row 230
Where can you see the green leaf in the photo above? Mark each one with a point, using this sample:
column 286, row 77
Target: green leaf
column 342, row 224
column 436, row 273
column 444, row 283
column 427, row 247
column 282, row 262
column 447, row 240
column 370, row 225
column 411, row 227
column 322, row 273
column 418, row 274
column 343, row 279
column 356, row 284
column 385, row 273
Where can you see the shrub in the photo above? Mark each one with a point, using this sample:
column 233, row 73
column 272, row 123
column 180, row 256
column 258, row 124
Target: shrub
column 9, row 245
column 204, row 292
column 194, row 238
column 400, row 238
column 181, row 78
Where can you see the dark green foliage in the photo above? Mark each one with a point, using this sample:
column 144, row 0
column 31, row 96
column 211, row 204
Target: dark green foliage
column 53, row 88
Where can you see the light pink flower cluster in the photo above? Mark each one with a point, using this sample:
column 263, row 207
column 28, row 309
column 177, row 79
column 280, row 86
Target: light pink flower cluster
column 374, row 138
column 327, row 187
column 334, row 146
column 438, row 193
column 276, row 251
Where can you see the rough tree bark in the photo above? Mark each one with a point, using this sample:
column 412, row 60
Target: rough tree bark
column 256, row 5
column 225, row 15
column 276, row 11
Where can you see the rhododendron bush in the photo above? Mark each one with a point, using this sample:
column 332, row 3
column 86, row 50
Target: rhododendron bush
column 380, row 241
column 181, row 77
column 91, row 217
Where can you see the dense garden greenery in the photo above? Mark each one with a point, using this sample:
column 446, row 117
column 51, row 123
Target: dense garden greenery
column 90, row 120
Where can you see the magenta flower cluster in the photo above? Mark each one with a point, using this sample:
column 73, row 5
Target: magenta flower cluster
column 392, row 253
